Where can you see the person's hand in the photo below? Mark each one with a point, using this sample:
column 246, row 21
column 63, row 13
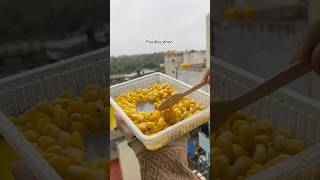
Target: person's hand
column 21, row 171
column 310, row 46
column 123, row 127
column 206, row 77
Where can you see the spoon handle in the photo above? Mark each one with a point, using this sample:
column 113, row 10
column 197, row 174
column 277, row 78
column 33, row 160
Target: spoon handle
column 199, row 85
column 279, row 80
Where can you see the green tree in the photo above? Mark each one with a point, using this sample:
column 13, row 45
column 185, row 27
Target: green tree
column 128, row 64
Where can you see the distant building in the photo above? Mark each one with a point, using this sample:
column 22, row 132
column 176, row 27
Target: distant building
column 189, row 66
column 171, row 61
column 161, row 66
column 174, row 60
column 194, row 57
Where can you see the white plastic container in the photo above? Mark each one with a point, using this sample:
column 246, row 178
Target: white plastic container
column 21, row 91
column 286, row 109
column 155, row 141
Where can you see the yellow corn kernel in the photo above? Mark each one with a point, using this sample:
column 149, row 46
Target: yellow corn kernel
column 187, row 103
column 151, row 98
column 140, row 118
column 147, row 116
column 142, row 126
column 173, row 120
column 161, row 122
column 142, row 113
column 127, row 111
column 192, row 105
column 156, row 129
column 136, row 122
column 184, row 109
column 150, row 125
column 153, row 117
column 185, row 114
column 157, row 113
column 178, row 114
column 134, row 116
column 165, row 95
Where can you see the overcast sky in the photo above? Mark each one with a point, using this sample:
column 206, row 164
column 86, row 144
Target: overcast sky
column 133, row 22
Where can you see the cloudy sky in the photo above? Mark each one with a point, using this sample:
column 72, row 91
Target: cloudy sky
column 177, row 24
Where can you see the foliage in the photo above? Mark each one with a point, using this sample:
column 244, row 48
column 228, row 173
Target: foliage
column 132, row 63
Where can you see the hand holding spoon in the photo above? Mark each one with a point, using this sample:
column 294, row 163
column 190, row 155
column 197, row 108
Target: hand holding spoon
column 223, row 109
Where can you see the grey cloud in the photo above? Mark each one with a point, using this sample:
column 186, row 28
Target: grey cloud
column 134, row 22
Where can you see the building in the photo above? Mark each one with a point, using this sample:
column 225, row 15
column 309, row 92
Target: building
column 189, row 66
column 208, row 41
column 172, row 60
column 194, row 57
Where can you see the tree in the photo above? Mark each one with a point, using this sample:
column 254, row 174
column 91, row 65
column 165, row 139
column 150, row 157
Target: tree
column 128, row 64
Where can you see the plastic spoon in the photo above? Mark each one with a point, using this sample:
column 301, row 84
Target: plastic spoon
column 223, row 109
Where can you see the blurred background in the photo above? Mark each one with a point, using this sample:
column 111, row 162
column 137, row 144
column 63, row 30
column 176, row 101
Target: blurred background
column 34, row 33
column 259, row 36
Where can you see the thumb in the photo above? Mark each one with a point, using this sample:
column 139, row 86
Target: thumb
column 209, row 80
column 118, row 119
column 122, row 126
column 310, row 39
column 315, row 59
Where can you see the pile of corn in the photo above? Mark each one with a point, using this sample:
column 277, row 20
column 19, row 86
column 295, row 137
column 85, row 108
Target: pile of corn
column 245, row 146
column 152, row 122
column 56, row 129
